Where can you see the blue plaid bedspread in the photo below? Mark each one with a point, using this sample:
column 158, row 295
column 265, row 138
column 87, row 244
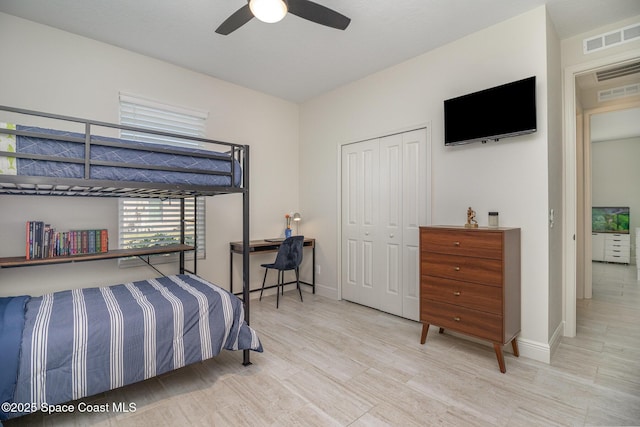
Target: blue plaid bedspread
column 135, row 153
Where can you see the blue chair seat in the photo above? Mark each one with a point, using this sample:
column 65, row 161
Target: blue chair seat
column 288, row 258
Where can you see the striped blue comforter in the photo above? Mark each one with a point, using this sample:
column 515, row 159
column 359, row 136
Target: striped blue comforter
column 82, row 342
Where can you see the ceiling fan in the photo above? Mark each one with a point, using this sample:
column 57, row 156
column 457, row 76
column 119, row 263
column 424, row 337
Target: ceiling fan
column 274, row 10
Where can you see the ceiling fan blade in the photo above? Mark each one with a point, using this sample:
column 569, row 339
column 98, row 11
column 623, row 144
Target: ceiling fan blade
column 319, row 14
column 235, row 21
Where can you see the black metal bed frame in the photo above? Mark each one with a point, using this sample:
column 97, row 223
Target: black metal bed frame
column 87, row 187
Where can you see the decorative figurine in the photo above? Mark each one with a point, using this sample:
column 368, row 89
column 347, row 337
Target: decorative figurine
column 471, row 219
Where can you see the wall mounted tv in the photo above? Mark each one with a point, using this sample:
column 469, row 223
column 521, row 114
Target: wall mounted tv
column 491, row 114
column 610, row 219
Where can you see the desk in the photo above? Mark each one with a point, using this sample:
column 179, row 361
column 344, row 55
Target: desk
column 270, row 245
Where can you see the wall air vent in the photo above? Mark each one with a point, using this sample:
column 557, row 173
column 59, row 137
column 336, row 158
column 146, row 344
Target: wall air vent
column 618, row 92
column 621, row 71
column 612, row 38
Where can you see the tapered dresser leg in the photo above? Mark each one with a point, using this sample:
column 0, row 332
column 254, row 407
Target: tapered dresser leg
column 514, row 345
column 498, row 348
column 425, row 329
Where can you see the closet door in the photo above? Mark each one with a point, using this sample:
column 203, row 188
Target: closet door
column 402, row 210
column 389, row 241
column 360, row 182
column 383, row 204
column 414, row 213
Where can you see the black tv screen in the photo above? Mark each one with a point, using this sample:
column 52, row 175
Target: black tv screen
column 491, row 114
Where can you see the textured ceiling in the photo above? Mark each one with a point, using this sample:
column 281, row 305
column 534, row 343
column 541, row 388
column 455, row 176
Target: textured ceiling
column 296, row 59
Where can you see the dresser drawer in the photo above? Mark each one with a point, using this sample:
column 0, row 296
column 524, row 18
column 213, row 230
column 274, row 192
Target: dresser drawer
column 478, row 270
column 462, row 242
column 618, row 238
column 469, row 295
column 621, row 259
column 617, row 251
column 624, row 244
column 460, row 319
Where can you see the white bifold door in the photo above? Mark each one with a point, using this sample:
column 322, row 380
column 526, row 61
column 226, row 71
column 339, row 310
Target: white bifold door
column 384, row 201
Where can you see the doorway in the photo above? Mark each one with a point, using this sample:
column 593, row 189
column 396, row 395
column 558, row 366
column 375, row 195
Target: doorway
column 577, row 187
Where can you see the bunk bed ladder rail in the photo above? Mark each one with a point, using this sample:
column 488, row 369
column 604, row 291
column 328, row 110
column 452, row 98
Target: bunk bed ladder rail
column 183, row 226
column 245, row 244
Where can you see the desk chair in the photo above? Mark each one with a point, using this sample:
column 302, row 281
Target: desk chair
column 289, row 258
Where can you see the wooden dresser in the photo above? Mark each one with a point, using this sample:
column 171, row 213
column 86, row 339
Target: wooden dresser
column 470, row 283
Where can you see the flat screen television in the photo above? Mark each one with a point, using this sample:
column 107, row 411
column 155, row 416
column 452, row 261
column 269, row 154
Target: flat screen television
column 610, row 219
column 491, row 114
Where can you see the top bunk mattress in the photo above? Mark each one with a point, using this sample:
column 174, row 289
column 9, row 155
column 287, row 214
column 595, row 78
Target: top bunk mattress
column 61, row 154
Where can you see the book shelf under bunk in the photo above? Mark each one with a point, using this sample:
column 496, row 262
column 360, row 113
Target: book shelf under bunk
column 20, row 261
column 45, row 241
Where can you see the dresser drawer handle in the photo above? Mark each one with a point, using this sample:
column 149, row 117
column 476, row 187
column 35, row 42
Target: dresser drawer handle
column 457, row 319
column 456, row 268
column 456, row 243
column 456, row 293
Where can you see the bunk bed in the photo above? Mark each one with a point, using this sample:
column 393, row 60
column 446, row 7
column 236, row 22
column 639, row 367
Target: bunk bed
column 67, row 345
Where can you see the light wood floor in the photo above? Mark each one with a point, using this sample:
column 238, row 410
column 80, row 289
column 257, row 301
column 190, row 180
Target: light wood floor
column 334, row 363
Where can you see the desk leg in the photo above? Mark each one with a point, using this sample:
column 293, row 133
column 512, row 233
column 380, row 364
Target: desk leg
column 313, row 267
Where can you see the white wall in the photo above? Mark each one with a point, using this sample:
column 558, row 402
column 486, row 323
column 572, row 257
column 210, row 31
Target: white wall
column 58, row 72
column 554, row 140
column 510, row 176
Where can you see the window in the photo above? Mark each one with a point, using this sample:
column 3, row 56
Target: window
column 149, row 222
column 146, row 114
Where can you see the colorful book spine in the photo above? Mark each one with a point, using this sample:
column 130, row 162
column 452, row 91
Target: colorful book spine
column 29, row 246
column 104, row 241
column 44, row 241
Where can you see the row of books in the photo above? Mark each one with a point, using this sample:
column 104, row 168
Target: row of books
column 44, row 241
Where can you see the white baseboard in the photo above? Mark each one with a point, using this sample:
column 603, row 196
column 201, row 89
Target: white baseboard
column 541, row 352
column 326, row 291
column 556, row 337
column 534, row 350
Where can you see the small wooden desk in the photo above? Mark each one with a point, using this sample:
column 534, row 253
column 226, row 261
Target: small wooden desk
column 271, row 245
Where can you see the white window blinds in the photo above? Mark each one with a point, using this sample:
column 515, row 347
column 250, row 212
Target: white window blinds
column 150, row 222
column 146, row 114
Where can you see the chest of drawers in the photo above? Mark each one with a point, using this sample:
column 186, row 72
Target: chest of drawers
column 617, row 248
column 611, row 247
column 470, row 283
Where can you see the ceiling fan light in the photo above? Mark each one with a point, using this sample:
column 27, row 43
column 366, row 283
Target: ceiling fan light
column 268, row 11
